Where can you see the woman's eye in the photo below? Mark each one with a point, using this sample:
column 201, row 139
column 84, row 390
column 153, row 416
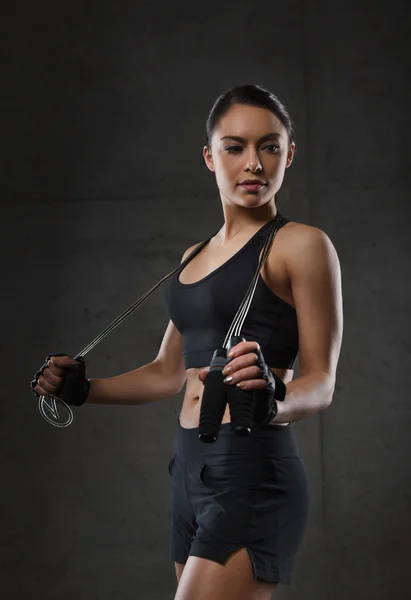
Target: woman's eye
column 234, row 149
column 271, row 147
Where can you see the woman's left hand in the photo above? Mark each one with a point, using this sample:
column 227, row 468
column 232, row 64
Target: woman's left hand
column 242, row 368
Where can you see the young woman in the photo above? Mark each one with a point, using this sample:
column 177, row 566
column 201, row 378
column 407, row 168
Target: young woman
column 240, row 505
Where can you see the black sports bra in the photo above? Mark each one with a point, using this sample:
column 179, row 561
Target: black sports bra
column 203, row 311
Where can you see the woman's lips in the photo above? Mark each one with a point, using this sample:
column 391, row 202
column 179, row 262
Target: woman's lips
column 252, row 187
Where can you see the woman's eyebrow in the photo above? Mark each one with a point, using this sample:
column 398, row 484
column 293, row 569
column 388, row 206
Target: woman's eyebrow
column 268, row 136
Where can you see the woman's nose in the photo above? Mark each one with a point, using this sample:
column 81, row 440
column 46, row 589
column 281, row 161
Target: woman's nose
column 253, row 165
column 252, row 162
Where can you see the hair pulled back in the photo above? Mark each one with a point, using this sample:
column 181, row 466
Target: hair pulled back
column 252, row 95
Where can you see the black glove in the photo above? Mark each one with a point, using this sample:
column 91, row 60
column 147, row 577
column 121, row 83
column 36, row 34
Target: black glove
column 75, row 387
column 265, row 405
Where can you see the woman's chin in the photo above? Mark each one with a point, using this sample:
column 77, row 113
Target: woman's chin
column 252, row 200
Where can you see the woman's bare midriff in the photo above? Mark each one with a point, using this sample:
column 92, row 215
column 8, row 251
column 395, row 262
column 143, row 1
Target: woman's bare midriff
column 190, row 410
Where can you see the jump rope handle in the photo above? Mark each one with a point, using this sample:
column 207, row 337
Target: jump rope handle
column 217, row 394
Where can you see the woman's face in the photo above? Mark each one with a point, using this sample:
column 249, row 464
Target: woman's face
column 249, row 144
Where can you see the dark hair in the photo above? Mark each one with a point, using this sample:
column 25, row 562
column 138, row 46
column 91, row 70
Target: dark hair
column 253, row 95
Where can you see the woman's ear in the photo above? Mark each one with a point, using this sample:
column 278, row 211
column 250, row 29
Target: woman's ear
column 290, row 155
column 208, row 158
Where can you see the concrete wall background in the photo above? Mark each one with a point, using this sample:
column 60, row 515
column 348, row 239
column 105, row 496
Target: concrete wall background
column 103, row 110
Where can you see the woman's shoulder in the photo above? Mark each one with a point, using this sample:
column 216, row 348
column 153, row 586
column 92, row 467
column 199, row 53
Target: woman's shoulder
column 294, row 232
column 302, row 242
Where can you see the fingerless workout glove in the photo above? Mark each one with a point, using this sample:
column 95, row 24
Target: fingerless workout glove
column 265, row 406
column 75, row 387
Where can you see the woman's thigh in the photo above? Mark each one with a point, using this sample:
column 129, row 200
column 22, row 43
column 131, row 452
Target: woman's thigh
column 205, row 579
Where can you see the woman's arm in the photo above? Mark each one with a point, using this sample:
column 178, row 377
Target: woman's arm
column 158, row 380
column 148, row 383
column 315, row 276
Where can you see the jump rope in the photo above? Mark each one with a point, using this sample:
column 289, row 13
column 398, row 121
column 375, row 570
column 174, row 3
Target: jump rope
column 216, row 394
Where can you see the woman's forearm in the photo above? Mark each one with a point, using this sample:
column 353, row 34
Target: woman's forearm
column 146, row 384
column 305, row 396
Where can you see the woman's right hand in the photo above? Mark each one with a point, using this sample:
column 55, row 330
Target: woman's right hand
column 63, row 377
column 53, row 375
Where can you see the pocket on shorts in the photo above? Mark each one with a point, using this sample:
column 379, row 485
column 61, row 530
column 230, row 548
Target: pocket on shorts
column 240, row 472
column 170, row 464
column 197, row 473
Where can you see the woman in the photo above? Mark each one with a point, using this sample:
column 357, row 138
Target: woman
column 240, row 505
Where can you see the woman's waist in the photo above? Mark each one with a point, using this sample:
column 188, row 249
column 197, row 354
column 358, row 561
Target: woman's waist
column 264, row 440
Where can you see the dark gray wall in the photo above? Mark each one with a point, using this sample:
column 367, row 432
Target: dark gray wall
column 103, row 188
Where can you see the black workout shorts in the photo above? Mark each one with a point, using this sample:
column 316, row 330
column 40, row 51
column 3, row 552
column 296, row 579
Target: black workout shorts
column 239, row 492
